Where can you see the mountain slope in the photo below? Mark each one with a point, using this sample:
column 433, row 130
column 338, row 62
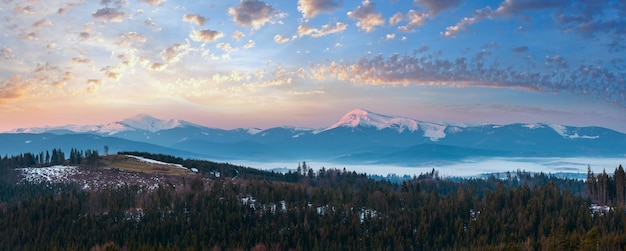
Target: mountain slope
column 359, row 135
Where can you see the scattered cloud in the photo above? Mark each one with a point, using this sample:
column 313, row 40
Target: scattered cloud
column 460, row 72
column 158, row 66
column 41, row 23
column 238, row 35
column 112, row 15
column 416, row 19
column 81, row 60
column 555, row 61
column 130, row 37
column 29, row 36
column 206, row 35
column 148, row 22
column 93, row 85
column 6, row 53
column 281, row 39
column 390, row 36
column 323, row 31
column 510, row 7
column 174, row 53
column 67, row 76
column 249, row 44
column 505, row 9
column 311, row 8
column 112, row 72
column 226, row 47
column 253, row 13
column 153, row 2
column 366, row 16
column 195, row 19
column 11, row 89
column 437, row 6
column 396, row 18
column 466, row 22
column 24, row 9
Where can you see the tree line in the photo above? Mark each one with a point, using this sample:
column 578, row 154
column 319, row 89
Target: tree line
column 327, row 209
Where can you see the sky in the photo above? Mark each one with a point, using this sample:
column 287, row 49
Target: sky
column 253, row 63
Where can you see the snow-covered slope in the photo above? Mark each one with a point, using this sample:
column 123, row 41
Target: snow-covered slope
column 361, row 117
column 140, row 122
column 364, row 118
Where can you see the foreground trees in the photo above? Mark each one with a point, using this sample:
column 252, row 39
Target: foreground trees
column 326, row 210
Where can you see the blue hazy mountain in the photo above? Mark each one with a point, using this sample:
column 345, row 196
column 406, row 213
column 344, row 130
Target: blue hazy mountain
column 360, row 136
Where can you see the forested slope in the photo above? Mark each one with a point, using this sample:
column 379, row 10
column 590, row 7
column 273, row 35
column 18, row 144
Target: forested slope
column 329, row 209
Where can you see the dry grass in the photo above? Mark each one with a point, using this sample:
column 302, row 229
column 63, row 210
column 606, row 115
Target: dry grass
column 130, row 164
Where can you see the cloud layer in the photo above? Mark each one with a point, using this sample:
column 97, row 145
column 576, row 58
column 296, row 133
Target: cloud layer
column 247, row 54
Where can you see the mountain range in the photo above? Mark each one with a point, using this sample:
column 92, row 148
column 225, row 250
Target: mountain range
column 360, row 136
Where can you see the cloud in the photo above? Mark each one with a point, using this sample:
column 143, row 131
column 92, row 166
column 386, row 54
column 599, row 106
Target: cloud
column 238, row 35
column 130, row 37
column 63, row 10
column 41, row 23
column 416, row 19
column 81, row 60
column 148, row 22
column 157, row 66
column 505, row 9
column 253, row 13
column 11, row 89
column 6, row 53
column 589, row 81
column 249, row 44
column 195, row 19
column 206, row 35
column 555, row 61
column 466, row 22
column 24, row 9
column 153, row 2
column 112, row 72
column 325, row 29
column 520, row 49
column 390, row 36
column 84, row 35
column 226, row 47
column 437, row 6
column 109, row 15
column 29, row 36
column 174, row 53
column 93, row 85
column 281, row 39
column 510, row 7
column 396, row 18
column 367, row 18
column 67, row 76
column 311, row 8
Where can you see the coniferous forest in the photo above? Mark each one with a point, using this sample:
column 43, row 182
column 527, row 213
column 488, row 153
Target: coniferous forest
column 326, row 209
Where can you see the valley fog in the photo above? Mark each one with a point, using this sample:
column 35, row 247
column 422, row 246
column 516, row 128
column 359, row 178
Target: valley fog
column 574, row 167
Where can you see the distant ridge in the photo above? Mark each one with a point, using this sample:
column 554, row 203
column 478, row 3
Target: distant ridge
column 359, row 136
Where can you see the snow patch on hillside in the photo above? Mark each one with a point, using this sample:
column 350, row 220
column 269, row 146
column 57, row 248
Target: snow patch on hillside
column 433, row 131
column 532, row 126
column 564, row 132
column 146, row 160
column 50, row 174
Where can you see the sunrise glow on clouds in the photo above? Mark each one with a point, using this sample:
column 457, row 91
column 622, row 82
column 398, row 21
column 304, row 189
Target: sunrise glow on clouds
column 268, row 63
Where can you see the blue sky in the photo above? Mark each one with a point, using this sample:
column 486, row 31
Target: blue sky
column 305, row 63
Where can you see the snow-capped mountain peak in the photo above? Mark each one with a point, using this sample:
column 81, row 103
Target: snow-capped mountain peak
column 149, row 123
column 361, row 117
